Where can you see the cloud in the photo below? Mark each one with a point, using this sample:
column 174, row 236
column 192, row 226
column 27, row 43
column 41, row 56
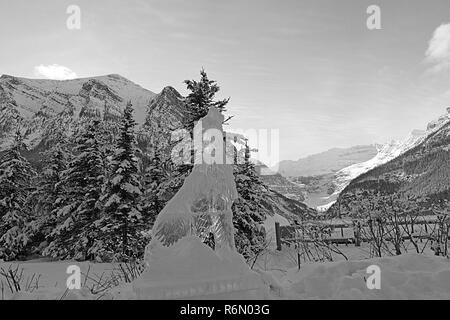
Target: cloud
column 438, row 52
column 54, row 72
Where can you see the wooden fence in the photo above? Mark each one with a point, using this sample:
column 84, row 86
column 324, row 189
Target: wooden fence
column 343, row 232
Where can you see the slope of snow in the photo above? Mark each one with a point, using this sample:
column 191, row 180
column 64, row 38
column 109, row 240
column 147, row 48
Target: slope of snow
column 408, row 276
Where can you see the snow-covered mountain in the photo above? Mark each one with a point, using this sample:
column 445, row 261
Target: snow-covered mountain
column 389, row 151
column 34, row 105
column 339, row 180
column 312, row 178
column 99, row 94
column 40, row 107
column 386, row 153
column 326, row 162
column 166, row 113
column 421, row 169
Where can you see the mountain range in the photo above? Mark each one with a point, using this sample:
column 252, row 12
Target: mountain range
column 420, row 167
column 315, row 176
column 326, row 162
column 324, row 183
column 38, row 107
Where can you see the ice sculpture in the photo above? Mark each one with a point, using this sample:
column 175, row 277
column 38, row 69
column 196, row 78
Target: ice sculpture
column 179, row 264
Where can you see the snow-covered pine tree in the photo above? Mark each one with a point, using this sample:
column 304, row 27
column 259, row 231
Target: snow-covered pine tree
column 198, row 101
column 49, row 189
column 201, row 98
column 153, row 183
column 121, row 224
column 79, row 207
column 16, row 175
column 248, row 214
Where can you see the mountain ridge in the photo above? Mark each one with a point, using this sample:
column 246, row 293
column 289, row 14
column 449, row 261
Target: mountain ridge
column 423, row 170
column 66, row 103
column 326, row 162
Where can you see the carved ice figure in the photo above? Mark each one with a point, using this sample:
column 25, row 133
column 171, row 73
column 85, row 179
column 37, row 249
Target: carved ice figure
column 179, row 264
column 203, row 204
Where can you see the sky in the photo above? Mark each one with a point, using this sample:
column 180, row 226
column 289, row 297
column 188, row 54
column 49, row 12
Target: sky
column 310, row 69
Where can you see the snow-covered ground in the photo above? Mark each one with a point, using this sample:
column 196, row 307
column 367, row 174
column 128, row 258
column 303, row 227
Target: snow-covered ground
column 48, row 281
column 408, row 276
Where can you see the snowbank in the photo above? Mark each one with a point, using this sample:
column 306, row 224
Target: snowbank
column 409, row 276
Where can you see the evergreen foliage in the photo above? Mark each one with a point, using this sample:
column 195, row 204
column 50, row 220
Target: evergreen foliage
column 16, row 174
column 79, row 207
column 121, row 224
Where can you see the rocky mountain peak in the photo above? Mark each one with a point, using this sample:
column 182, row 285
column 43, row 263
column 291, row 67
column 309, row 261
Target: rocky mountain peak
column 170, row 91
column 440, row 122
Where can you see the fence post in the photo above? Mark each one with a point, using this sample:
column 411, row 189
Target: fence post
column 277, row 235
column 357, row 233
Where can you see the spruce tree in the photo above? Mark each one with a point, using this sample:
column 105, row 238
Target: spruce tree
column 201, row 98
column 79, row 208
column 154, row 178
column 121, row 223
column 248, row 214
column 50, row 189
column 16, row 174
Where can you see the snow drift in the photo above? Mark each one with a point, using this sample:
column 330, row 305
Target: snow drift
column 409, row 276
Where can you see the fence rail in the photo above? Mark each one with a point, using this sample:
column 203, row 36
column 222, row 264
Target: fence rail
column 343, row 232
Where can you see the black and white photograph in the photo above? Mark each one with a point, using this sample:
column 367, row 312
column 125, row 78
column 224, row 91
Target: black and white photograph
column 254, row 151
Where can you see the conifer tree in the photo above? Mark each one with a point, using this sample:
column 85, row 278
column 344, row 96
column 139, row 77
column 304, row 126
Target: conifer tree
column 154, row 178
column 121, row 223
column 248, row 215
column 16, row 174
column 49, row 189
column 79, row 208
column 201, row 98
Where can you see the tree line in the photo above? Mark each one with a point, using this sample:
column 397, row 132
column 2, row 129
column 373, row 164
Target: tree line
column 95, row 194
